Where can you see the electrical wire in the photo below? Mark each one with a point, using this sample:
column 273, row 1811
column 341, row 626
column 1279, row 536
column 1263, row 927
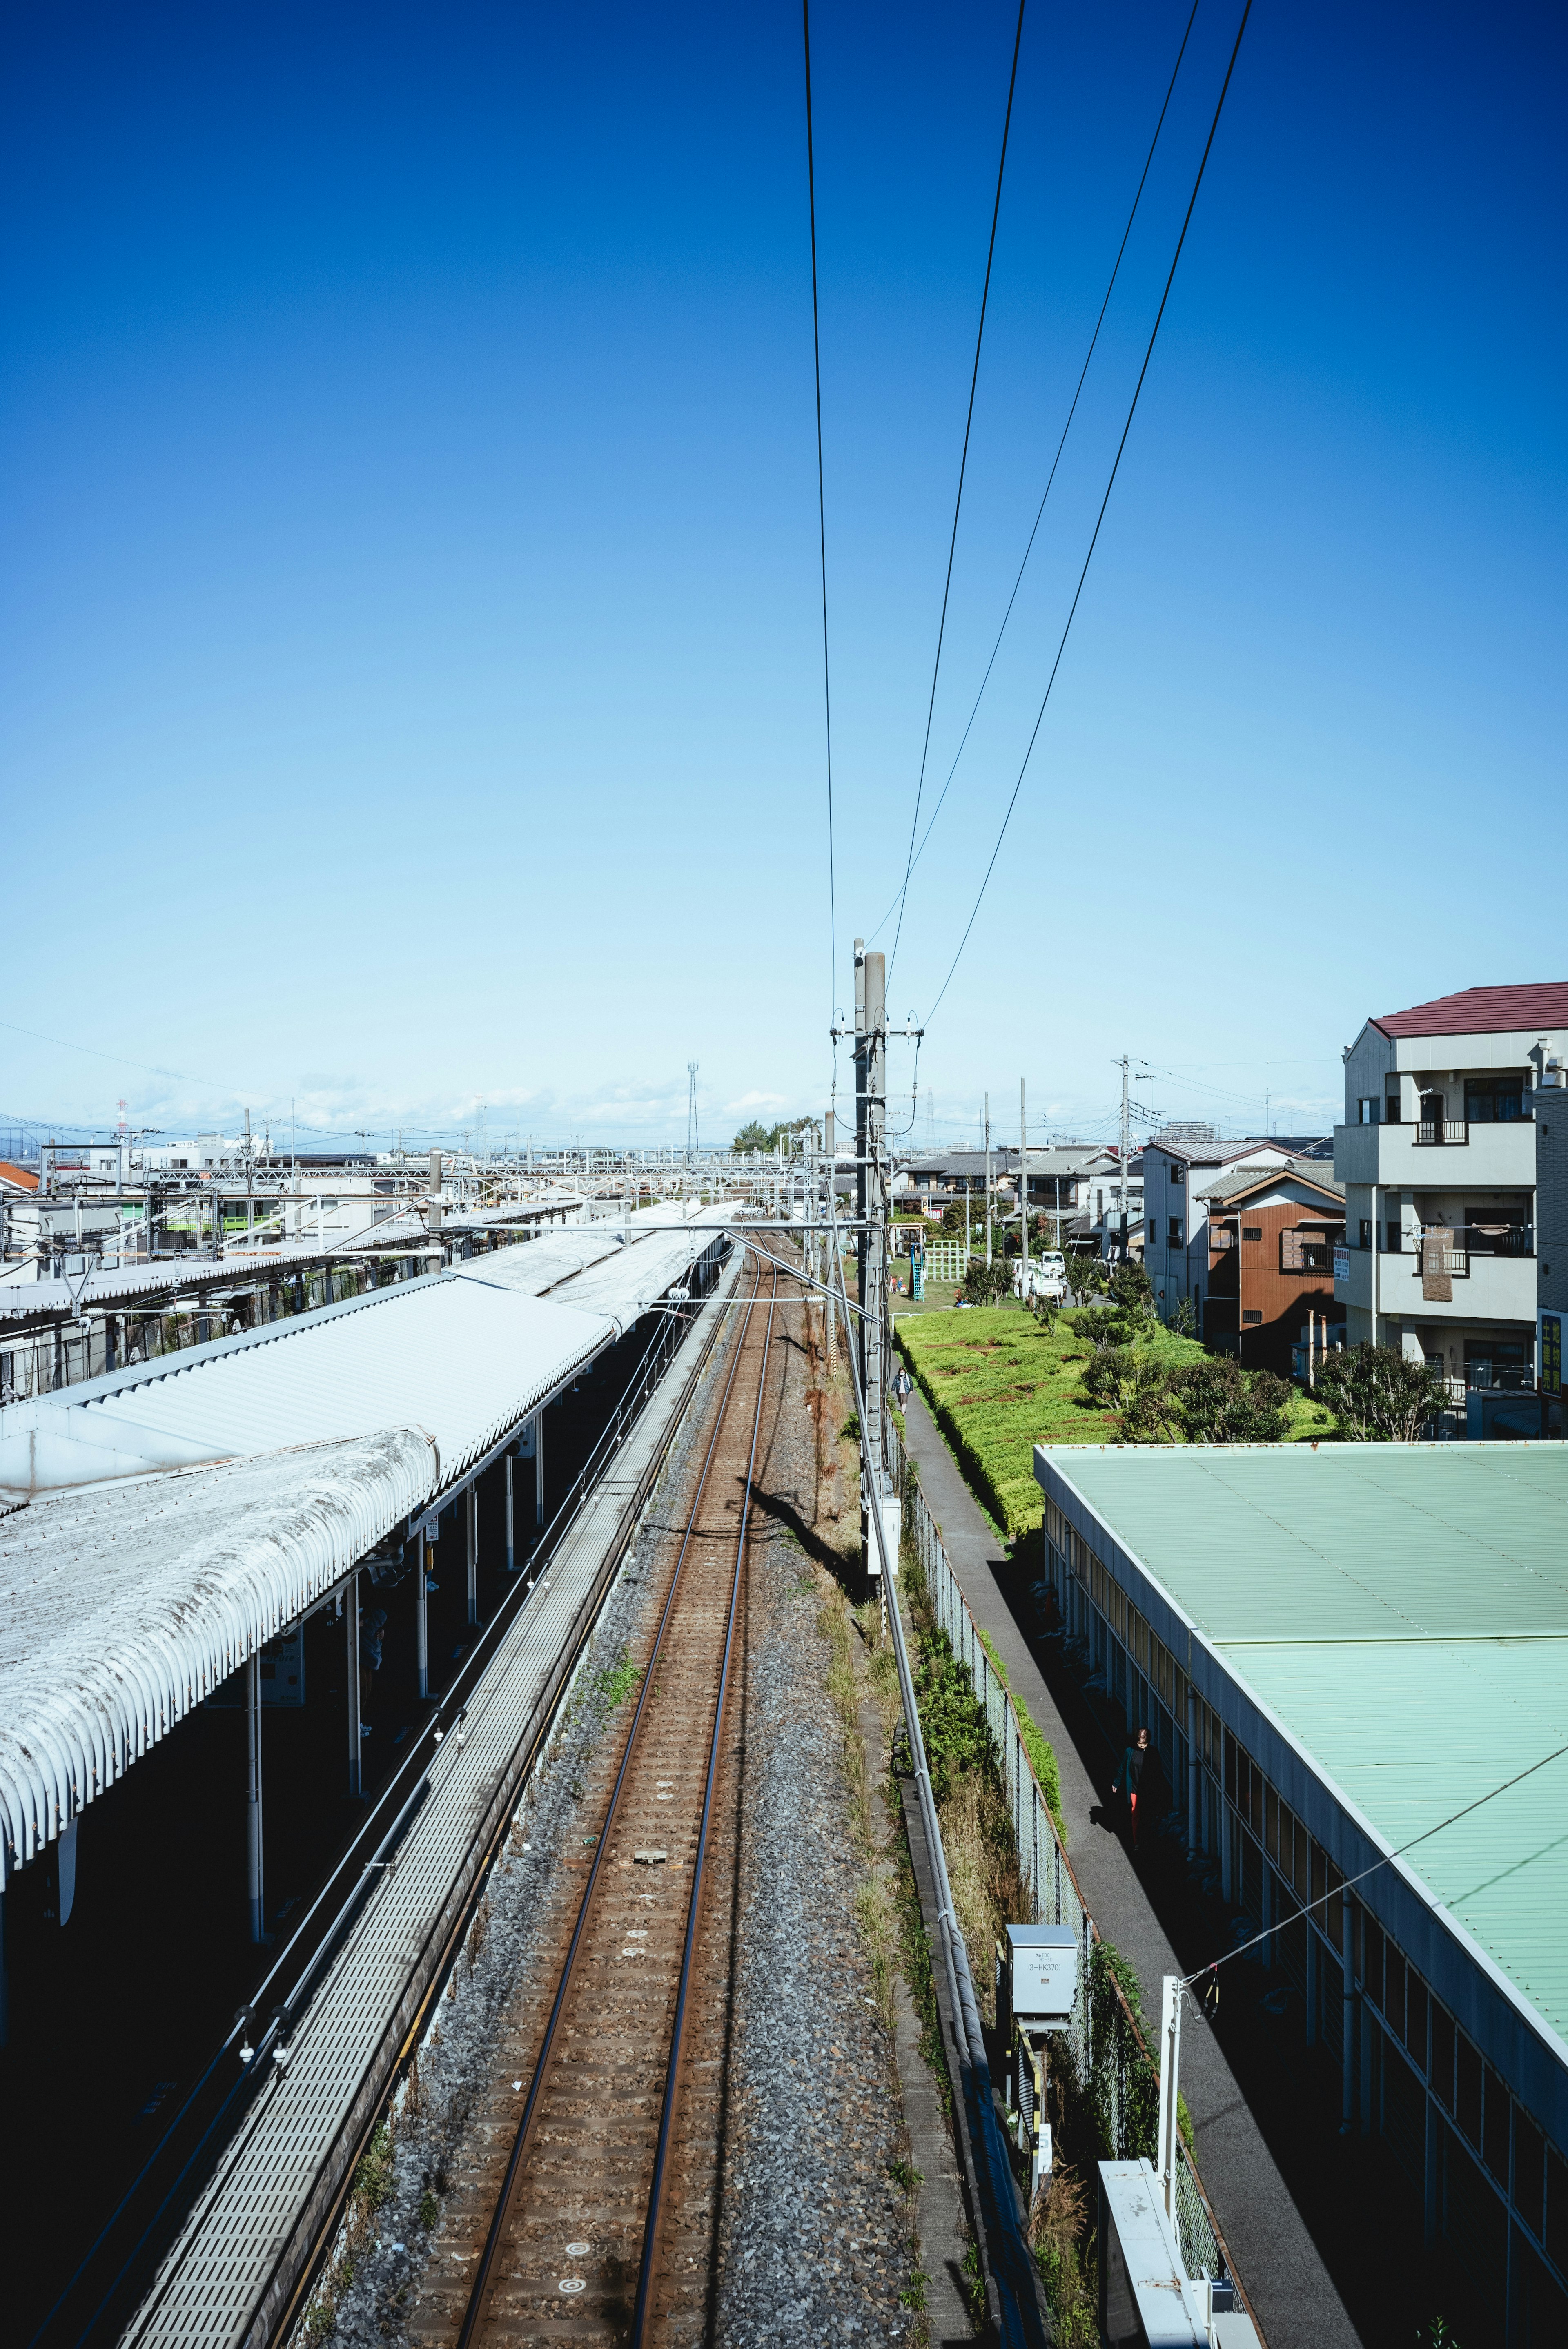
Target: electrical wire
column 1061, row 444
column 963, row 467
column 822, row 504
column 1388, row 1858
column 1094, row 542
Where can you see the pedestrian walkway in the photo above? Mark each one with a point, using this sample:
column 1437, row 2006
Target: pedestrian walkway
column 1298, row 2240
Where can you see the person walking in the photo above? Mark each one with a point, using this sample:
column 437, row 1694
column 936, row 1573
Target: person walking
column 1130, row 1778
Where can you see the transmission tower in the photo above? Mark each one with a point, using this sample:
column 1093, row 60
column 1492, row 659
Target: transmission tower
column 930, row 1120
column 692, row 1143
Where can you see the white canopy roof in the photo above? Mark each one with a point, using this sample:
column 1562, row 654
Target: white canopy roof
column 166, row 1520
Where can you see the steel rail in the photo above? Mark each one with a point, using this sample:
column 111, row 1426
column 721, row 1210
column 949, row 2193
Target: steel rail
column 666, row 2116
column 480, row 2289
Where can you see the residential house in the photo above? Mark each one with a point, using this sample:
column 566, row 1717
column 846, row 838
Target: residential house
column 1179, row 1165
column 1272, row 1231
column 1437, row 1157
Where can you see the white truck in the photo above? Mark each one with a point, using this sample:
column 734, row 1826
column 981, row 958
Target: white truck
column 1046, row 1275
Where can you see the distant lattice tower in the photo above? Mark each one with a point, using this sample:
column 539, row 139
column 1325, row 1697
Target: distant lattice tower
column 692, row 1143
column 930, row 1120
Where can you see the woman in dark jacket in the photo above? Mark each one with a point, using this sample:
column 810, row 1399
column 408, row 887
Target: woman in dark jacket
column 1135, row 1777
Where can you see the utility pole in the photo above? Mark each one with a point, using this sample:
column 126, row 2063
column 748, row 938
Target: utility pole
column 987, row 1178
column 871, row 1134
column 1024, row 1185
column 693, row 1145
column 830, row 1153
column 1126, row 1150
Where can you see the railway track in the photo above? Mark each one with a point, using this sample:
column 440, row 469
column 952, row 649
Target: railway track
column 603, row 2221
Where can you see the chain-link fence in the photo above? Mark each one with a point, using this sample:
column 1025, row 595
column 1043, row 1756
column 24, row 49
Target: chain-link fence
column 1103, row 2043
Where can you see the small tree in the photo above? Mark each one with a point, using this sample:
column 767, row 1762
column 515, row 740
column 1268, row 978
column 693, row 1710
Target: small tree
column 1379, row 1397
column 1152, row 1413
column 1183, row 1322
column 1087, row 1274
column 985, row 1284
column 1111, row 1376
column 953, row 1218
column 1221, row 1403
column 1131, row 1288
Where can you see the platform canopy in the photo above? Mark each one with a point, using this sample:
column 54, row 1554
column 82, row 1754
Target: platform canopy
column 160, row 1524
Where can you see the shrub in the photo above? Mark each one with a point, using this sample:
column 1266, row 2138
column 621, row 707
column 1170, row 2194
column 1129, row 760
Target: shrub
column 1221, row 1403
column 987, row 1284
column 1111, row 1377
column 1378, row 1396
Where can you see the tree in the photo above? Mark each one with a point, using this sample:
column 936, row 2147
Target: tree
column 1131, row 1288
column 1111, row 1376
column 1378, row 1396
column 1219, row 1402
column 753, row 1137
column 1152, row 1413
column 986, row 1284
column 953, row 1217
column 1087, row 1274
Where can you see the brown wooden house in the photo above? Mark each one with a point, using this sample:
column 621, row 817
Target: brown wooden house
column 1271, row 1235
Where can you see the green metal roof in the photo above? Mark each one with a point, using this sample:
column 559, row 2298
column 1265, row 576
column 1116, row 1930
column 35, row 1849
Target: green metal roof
column 1366, row 1595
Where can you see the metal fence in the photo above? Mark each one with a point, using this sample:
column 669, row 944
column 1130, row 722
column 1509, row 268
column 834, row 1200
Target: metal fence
column 1108, row 2055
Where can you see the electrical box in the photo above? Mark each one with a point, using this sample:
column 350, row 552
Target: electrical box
column 1043, row 1975
column 893, row 1528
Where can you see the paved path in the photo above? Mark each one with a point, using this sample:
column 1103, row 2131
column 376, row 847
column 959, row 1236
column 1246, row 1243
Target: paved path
column 1274, row 2228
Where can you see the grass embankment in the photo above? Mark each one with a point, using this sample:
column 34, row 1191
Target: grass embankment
column 998, row 1382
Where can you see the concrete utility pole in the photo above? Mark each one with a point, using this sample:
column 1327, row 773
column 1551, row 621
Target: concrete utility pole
column 829, row 1153
column 870, row 1134
column 987, row 1178
column 1024, row 1181
column 1126, row 1150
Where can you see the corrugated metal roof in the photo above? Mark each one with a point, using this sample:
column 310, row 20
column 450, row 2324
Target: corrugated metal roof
column 1414, row 1730
column 1401, row 1611
column 463, row 1361
column 125, row 1605
column 1483, row 1012
column 1280, row 1542
column 464, row 1355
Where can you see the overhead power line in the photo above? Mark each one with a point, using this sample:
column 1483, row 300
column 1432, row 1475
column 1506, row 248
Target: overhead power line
column 963, row 467
column 1055, row 460
column 822, row 510
column 1100, row 519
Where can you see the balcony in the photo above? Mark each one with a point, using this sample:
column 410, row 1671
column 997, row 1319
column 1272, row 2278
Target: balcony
column 1309, row 1251
column 1497, row 1156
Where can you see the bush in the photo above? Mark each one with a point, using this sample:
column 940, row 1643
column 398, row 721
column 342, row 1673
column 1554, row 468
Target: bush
column 1378, row 1396
column 1087, row 1275
column 1152, row 1413
column 987, row 1284
column 1220, row 1403
column 1110, row 1378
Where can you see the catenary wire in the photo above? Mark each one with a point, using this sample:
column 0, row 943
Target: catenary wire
column 1100, row 519
column 1055, row 460
column 1388, row 1858
column 963, row 467
column 821, row 503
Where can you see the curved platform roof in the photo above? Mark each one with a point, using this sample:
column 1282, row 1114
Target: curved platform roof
column 125, row 1606
column 160, row 1524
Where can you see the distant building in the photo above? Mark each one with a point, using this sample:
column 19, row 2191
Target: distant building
column 1180, row 1165
column 1439, row 1159
column 1272, row 1231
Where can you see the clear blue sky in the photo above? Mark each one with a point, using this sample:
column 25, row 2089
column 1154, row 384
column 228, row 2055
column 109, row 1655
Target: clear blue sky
column 411, row 643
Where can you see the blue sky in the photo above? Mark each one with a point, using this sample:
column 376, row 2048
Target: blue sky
column 411, row 688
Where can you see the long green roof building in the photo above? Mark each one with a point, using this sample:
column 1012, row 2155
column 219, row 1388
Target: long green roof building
column 1354, row 1660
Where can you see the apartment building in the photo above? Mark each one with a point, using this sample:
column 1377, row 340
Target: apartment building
column 1181, row 1165
column 1438, row 1155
